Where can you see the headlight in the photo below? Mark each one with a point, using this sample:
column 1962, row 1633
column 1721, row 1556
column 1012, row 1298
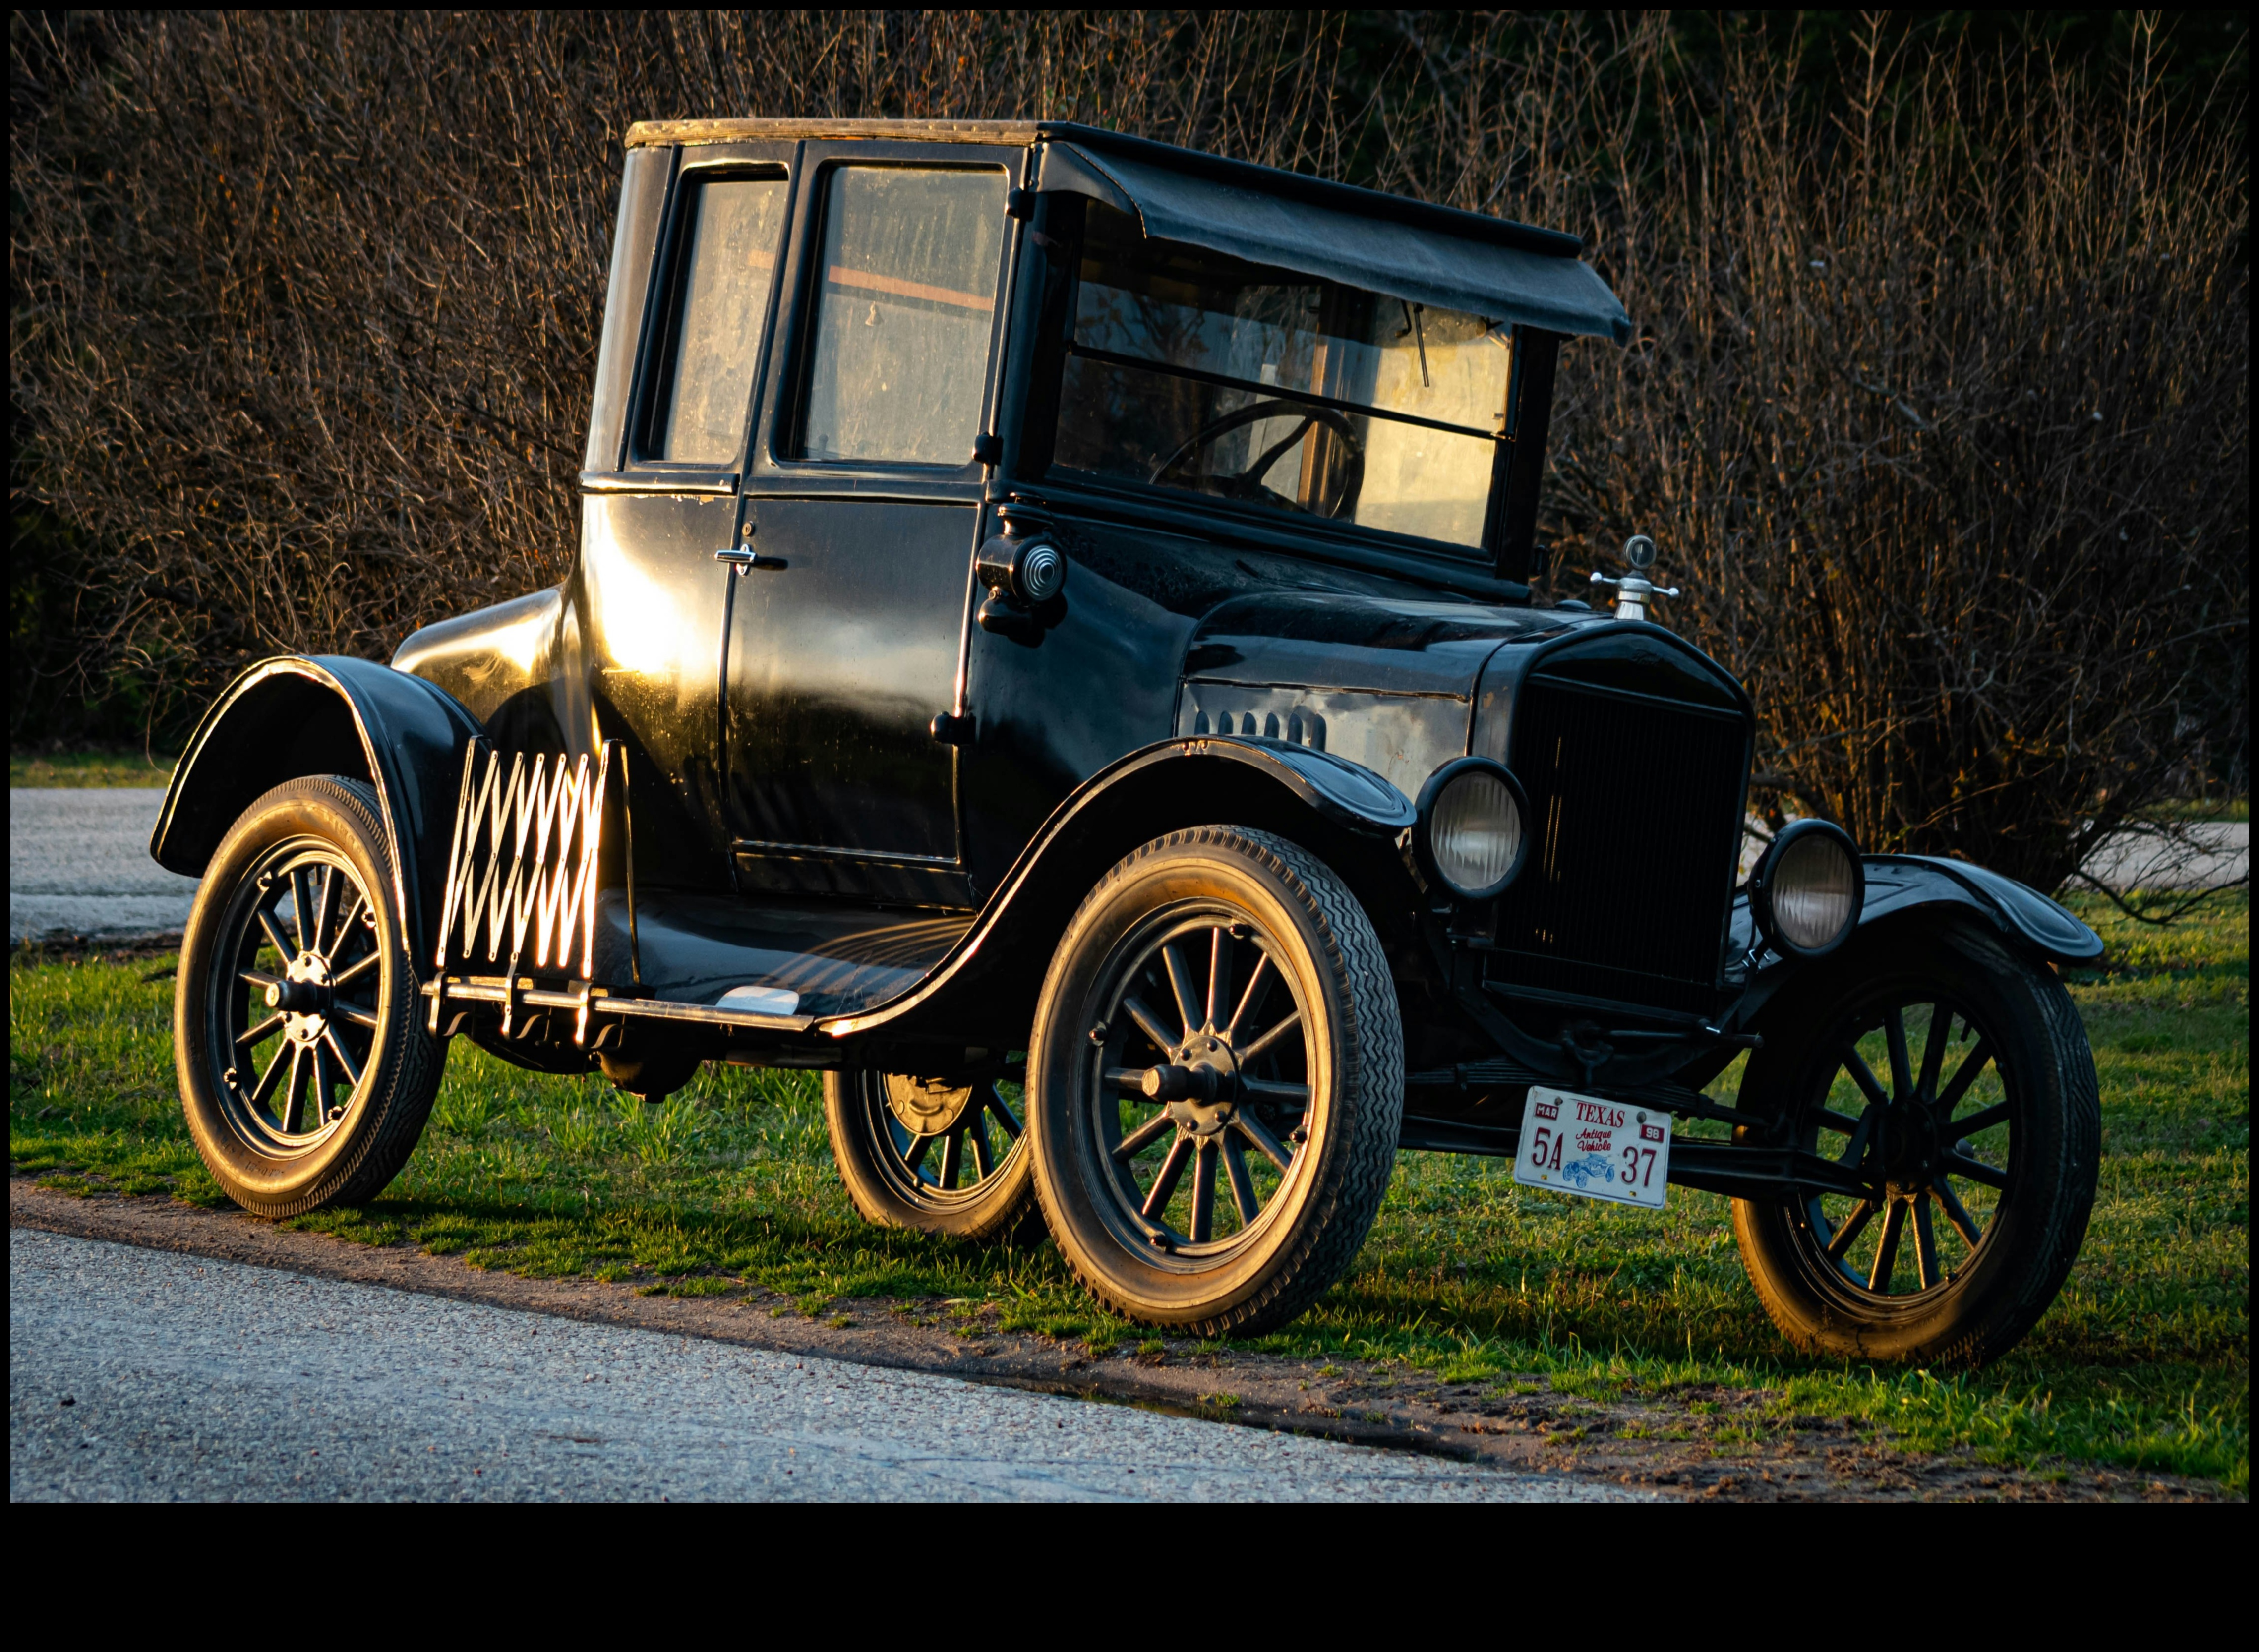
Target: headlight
column 1470, row 833
column 1806, row 891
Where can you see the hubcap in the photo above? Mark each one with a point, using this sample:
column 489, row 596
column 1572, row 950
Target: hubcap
column 303, row 996
column 1199, row 1082
column 926, row 1106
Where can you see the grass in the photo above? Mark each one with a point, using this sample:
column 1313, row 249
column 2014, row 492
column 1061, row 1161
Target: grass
column 2143, row 1362
column 86, row 768
column 2204, row 808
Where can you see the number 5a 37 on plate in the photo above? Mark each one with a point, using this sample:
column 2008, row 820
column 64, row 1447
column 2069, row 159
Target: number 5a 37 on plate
column 1594, row 1148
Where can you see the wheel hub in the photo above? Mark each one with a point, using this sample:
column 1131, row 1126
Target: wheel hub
column 304, row 995
column 926, row 1106
column 1200, row 1083
column 1909, row 1149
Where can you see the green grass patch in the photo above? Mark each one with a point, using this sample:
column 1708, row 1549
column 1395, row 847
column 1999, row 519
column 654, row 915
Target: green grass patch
column 2202, row 809
column 2143, row 1362
column 88, row 768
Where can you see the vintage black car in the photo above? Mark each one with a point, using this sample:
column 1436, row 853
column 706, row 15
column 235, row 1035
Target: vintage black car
column 1051, row 647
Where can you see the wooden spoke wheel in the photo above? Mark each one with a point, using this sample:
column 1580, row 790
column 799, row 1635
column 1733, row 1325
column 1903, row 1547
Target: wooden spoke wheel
column 941, row 1154
column 300, row 1018
column 1952, row 1078
column 1932, row 1134
column 1217, row 1082
column 306, row 1073
column 1202, row 1085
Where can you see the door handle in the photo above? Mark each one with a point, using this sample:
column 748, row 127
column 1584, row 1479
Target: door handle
column 743, row 556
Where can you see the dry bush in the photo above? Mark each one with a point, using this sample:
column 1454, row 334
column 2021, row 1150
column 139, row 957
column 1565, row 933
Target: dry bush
column 1940, row 408
column 1945, row 415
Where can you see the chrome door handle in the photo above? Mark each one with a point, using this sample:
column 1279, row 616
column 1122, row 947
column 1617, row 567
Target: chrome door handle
column 743, row 556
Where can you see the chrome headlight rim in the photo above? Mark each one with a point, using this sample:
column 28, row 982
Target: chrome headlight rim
column 1422, row 840
column 1762, row 888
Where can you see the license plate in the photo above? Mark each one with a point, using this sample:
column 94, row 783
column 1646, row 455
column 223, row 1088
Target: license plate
column 1593, row 1149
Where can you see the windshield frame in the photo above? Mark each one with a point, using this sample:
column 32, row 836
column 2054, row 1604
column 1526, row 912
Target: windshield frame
column 1050, row 301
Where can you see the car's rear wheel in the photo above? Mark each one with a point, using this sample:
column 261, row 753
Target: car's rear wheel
column 1954, row 1079
column 305, row 1072
column 1217, row 1082
column 943, row 1155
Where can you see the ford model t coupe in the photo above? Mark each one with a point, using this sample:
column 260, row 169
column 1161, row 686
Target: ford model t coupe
column 1051, row 647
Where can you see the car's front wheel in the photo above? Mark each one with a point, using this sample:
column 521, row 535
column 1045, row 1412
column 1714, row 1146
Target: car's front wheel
column 1217, row 1082
column 1953, row 1080
column 305, row 1071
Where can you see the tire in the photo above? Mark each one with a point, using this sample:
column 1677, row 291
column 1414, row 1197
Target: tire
column 280, row 1143
column 904, row 1145
column 1989, row 1168
column 1279, row 1062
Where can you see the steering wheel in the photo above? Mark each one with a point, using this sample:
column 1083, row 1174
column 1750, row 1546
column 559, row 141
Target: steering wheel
column 1249, row 483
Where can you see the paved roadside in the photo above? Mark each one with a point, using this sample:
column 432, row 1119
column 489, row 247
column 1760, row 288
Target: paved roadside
column 2210, row 852
column 79, row 865
column 136, row 1374
column 1705, row 1441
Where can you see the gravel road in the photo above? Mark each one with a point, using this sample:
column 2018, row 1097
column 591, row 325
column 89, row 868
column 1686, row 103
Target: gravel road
column 142, row 1375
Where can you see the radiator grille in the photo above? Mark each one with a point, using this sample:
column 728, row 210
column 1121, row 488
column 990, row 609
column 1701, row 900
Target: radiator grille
column 1636, row 804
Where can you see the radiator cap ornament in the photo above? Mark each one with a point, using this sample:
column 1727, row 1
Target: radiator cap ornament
column 1634, row 591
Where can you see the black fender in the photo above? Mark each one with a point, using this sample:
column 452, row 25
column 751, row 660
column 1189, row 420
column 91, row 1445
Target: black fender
column 1914, row 889
column 2025, row 919
column 328, row 714
column 986, row 987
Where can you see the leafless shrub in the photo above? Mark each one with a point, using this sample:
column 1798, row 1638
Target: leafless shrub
column 1940, row 408
column 1942, row 415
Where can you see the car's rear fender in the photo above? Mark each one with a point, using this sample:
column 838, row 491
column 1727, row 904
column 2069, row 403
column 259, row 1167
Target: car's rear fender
column 1348, row 816
column 328, row 714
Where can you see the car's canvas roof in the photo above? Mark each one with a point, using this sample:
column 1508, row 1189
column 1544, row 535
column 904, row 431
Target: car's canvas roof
column 1383, row 243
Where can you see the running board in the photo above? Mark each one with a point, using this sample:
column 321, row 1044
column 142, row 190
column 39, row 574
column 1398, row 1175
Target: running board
column 586, row 1000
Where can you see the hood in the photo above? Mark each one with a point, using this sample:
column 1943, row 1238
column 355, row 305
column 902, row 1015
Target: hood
column 1387, row 682
column 1376, row 644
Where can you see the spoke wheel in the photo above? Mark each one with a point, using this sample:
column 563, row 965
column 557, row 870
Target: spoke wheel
column 295, row 1027
column 1952, row 1078
column 943, row 1155
column 1215, row 1084
column 306, row 1074
column 1915, row 1106
column 1199, row 1097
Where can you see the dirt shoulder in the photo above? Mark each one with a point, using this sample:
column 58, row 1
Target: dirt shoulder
column 1694, row 1444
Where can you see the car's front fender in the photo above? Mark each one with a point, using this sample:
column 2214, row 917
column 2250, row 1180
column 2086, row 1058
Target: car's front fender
column 1914, row 889
column 2026, row 918
column 327, row 714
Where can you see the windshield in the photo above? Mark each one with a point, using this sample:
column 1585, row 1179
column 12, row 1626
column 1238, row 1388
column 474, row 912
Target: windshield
column 1191, row 369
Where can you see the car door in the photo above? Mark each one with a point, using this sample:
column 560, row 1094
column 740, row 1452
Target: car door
column 661, row 496
column 862, row 509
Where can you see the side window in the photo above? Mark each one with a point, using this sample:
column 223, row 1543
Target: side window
column 898, row 356
column 724, row 261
